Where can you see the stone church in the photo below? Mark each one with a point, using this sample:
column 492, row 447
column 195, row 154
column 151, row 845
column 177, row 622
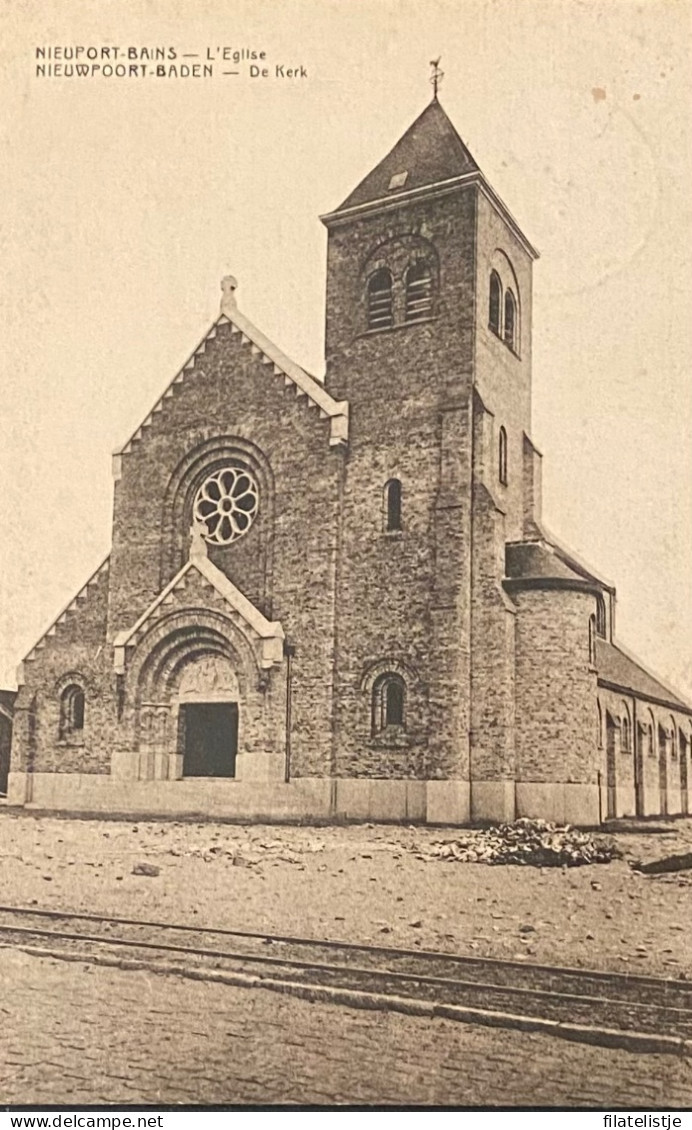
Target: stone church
column 335, row 599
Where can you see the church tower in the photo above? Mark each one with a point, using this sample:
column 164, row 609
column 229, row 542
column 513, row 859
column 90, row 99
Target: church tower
column 339, row 601
column 429, row 339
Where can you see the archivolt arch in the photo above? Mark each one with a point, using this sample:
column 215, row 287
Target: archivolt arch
column 399, row 252
column 172, row 648
column 501, row 262
column 392, row 707
column 70, row 678
column 390, row 666
column 176, row 513
column 182, row 637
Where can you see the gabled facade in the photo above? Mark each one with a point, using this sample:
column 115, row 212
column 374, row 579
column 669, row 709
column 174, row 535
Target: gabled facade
column 337, row 599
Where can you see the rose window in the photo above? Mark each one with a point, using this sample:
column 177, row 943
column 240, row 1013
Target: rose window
column 226, row 504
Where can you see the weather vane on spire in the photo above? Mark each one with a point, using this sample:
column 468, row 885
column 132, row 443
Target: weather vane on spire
column 436, row 76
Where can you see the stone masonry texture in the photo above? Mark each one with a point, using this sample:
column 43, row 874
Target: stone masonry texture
column 468, row 605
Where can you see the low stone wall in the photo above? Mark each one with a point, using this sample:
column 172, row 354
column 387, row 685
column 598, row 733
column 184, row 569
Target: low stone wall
column 450, row 802
column 434, row 802
column 561, row 803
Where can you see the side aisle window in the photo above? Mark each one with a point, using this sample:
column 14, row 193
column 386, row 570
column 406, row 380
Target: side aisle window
column 72, row 711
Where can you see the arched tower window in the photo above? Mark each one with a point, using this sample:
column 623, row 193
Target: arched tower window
column 502, row 457
column 392, row 504
column 592, row 641
column 495, row 306
column 418, row 292
column 510, row 320
column 600, row 617
column 380, row 310
column 388, row 702
column 72, row 711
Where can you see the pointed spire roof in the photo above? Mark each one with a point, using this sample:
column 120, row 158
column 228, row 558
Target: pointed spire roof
column 429, row 152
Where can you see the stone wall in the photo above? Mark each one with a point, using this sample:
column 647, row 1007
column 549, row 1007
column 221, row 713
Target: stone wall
column 493, row 617
column 500, row 713
column 76, row 652
column 503, row 375
column 229, row 404
column 658, row 754
column 403, row 597
column 556, row 752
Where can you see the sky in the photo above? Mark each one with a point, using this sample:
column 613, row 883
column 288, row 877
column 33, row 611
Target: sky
column 125, row 201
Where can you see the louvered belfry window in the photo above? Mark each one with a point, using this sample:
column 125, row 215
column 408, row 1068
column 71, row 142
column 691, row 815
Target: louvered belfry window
column 418, row 293
column 380, row 312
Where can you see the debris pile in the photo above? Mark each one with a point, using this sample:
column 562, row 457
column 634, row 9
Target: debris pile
column 534, row 843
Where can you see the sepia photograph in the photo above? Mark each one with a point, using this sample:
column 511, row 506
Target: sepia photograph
column 346, row 557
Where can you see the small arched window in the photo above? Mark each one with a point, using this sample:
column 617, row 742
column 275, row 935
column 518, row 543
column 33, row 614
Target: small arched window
column 495, row 307
column 388, row 702
column 380, row 310
column 502, row 457
column 651, row 735
column 72, row 711
column 392, row 505
column 662, row 743
column 599, row 723
column 389, row 694
column 592, row 641
column 673, row 739
column 600, row 617
column 625, row 730
column 510, row 333
column 418, row 292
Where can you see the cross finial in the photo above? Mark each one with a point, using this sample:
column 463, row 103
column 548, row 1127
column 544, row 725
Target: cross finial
column 436, row 76
column 229, row 305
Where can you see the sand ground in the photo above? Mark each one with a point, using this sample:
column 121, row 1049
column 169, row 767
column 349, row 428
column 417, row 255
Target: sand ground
column 363, row 882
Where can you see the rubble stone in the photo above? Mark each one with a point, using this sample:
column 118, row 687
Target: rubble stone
column 534, row 843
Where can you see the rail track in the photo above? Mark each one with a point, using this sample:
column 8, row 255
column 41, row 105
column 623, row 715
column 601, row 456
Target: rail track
column 643, row 1013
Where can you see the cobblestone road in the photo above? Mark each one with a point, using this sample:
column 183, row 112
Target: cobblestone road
column 78, row 1034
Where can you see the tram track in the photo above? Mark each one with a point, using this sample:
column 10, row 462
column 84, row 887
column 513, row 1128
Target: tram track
column 640, row 1012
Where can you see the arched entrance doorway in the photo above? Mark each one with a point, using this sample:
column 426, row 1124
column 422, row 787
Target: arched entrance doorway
column 199, row 689
column 206, row 700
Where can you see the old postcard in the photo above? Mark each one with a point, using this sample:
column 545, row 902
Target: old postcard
column 345, row 603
